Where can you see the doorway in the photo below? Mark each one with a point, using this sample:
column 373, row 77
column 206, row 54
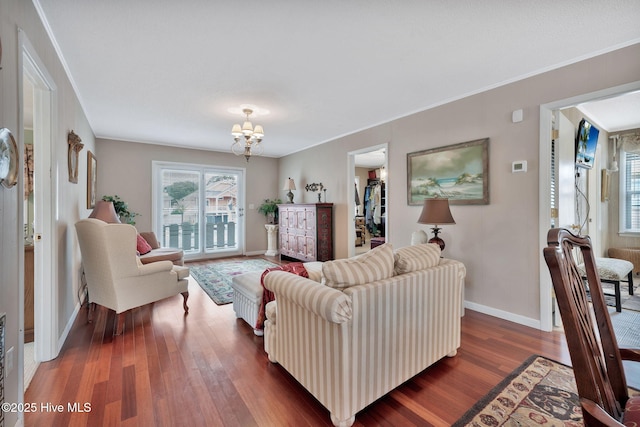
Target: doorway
column 37, row 100
column 368, row 198
column 545, row 214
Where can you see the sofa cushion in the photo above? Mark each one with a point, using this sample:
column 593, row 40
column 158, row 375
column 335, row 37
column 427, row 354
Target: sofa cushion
column 377, row 264
column 142, row 245
column 417, row 257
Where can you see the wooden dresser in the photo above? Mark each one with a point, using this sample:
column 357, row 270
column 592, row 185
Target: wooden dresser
column 306, row 231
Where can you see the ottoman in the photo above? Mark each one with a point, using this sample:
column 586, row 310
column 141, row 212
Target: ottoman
column 614, row 271
column 247, row 297
column 247, row 293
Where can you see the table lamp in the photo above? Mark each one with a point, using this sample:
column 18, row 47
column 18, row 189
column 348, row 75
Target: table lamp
column 289, row 185
column 436, row 211
column 105, row 211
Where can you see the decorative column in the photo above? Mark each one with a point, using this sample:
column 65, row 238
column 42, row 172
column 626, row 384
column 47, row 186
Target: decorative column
column 272, row 239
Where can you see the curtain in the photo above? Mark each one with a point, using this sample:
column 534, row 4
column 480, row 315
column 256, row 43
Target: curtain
column 28, row 170
column 631, row 142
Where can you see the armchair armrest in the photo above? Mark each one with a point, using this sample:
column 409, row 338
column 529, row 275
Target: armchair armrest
column 154, row 267
column 328, row 303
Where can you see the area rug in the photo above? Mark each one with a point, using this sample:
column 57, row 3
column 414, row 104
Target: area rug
column 539, row 392
column 215, row 278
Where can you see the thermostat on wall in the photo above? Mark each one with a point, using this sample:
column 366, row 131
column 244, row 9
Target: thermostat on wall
column 519, row 166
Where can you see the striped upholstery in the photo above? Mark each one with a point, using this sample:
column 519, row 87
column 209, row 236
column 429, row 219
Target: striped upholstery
column 417, row 257
column 376, row 264
column 349, row 348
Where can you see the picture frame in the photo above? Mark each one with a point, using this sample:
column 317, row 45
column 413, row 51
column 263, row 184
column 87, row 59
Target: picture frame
column 459, row 172
column 92, row 178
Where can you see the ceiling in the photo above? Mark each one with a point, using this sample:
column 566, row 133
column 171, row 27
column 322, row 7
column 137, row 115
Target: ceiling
column 167, row 72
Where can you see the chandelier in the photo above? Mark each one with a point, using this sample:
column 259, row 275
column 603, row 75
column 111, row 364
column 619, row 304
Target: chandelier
column 250, row 146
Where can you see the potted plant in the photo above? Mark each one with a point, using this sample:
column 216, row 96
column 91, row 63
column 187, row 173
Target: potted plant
column 122, row 209
column 269, row 208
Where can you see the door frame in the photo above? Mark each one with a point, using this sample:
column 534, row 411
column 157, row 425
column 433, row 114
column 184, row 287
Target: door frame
column 351, row 193
column 544, row 213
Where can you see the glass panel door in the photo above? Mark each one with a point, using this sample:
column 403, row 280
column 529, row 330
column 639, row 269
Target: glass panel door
column 221, row 210
column 198, row 209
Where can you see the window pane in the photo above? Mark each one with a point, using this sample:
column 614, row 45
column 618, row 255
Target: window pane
column 221, row 210
column 180, row 209
column 632, row 192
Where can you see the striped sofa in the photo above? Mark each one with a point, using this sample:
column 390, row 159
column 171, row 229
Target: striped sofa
column 351, row 339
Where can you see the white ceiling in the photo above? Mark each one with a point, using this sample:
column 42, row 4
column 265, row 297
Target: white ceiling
column 168, row 71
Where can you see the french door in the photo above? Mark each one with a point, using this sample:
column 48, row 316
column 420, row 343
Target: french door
column 199, row 209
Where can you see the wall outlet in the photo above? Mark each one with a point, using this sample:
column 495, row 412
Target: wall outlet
column 8, row 361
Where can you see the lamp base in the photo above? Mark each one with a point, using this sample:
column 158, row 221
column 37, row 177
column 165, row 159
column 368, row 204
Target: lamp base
column 435, row 239
column 290, row 197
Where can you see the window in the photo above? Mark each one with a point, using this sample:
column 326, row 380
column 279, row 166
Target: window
column 630, row 193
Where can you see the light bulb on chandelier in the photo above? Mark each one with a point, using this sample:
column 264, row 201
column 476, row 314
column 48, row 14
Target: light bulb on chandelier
column 247, row 138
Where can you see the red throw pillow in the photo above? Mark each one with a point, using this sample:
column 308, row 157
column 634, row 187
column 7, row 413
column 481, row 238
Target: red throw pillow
column 143, row 246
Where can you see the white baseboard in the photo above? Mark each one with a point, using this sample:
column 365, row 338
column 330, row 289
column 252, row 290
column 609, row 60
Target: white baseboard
column 255, row 253
column 522, row 320
column 67, row 328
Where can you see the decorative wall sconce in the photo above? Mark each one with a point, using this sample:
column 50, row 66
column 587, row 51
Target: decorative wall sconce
column 315, row 187
column 73, row 155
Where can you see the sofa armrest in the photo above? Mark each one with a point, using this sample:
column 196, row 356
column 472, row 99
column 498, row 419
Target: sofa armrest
column 151, row 239
column 328, row 303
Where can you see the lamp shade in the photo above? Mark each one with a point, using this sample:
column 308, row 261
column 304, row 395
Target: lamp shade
column 105, row 211
column 436, row 211
column 289, row 184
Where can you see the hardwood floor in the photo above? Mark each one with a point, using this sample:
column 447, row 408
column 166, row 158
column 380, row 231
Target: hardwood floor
column 207, row 368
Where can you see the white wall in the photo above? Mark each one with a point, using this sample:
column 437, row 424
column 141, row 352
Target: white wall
column 15, row 14
column 497, row 242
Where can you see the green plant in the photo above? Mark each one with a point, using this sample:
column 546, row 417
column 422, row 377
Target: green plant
column 269, row 208
column 122, row 209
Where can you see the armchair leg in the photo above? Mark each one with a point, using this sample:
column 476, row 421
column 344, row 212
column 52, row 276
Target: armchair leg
column 91, row 307
column 119, row 323
column 185, row 295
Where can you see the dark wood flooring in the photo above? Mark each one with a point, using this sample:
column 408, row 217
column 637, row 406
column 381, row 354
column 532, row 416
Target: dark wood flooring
column 207, row 368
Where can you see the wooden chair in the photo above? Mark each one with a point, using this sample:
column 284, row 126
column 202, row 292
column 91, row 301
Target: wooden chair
column 596, row 359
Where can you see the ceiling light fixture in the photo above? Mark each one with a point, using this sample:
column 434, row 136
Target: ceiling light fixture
column 252, row 137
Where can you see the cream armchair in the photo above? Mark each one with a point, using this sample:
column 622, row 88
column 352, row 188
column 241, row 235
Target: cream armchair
column 116, row 279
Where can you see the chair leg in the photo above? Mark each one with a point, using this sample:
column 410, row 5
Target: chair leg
column 119, row 323
column 630, row 279
column 185, row 296
column 91, row 307
column 616, row 284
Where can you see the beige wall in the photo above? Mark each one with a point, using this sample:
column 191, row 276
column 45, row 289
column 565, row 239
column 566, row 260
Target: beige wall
column 70, row 204
column 497, row 242
column 124, row 168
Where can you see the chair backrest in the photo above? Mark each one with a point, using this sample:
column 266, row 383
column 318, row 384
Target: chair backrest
column 593, row 347
column 108, row 253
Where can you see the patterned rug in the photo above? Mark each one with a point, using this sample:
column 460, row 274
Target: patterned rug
column 539, row 392
column 215, row 278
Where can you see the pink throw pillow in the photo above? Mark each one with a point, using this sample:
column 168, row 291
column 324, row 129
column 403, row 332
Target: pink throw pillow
column 143, row 246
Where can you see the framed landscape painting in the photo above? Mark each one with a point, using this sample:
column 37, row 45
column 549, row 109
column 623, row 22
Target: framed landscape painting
column 458, row 172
